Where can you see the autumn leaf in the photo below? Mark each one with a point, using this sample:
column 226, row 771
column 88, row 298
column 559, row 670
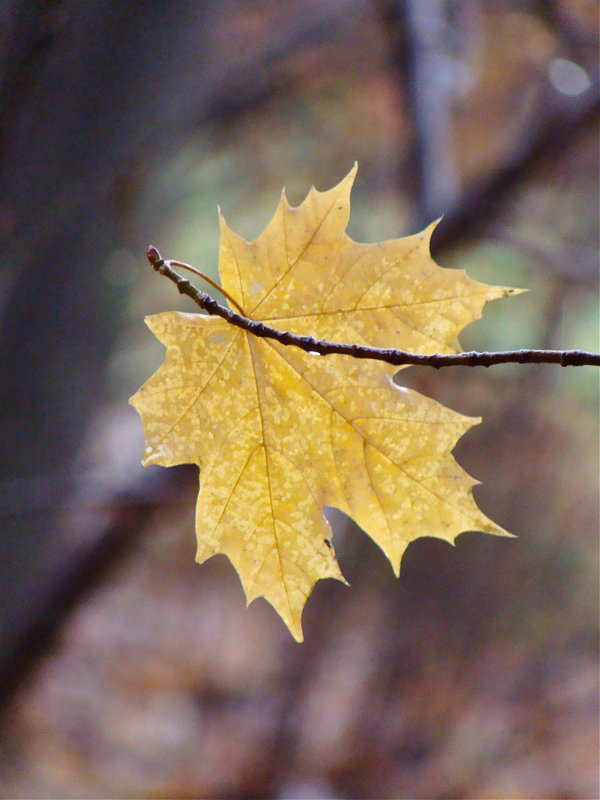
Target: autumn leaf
column 279, row 433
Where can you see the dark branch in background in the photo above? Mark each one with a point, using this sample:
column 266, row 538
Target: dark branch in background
column 573, row 358
column 110, row 528
column 538, row 144
column 549, row 133
column 575, row 40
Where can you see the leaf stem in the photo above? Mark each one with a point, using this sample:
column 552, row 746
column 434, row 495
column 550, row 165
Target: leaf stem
column 573, row 358
column 206, row 278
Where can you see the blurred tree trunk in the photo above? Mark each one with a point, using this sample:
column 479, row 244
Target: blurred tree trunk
column 92, row 94
column 87, row 89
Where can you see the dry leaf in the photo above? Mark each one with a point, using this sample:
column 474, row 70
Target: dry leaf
column 279, row 433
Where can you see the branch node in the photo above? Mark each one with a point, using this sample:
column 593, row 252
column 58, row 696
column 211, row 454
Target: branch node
column 183, row 285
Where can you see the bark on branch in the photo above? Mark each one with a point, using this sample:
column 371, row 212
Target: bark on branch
column 573, row 358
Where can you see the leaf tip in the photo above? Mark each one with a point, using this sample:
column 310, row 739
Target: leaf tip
column 427, row 232
column 223, row 226
column 296, row 631
column 350, row 177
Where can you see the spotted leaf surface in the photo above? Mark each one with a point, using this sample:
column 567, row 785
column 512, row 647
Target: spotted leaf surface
column 279, row 433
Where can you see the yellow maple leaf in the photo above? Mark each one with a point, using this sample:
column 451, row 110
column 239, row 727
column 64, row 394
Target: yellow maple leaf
column 279, row 433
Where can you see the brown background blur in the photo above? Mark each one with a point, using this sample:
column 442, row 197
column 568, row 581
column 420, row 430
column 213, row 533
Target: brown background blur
column 127, row 670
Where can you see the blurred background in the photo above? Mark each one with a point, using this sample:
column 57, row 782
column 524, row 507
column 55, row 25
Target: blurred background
column 127, row 670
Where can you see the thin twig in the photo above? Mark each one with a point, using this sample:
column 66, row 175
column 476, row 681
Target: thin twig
column 573, row 358
column 206, row 278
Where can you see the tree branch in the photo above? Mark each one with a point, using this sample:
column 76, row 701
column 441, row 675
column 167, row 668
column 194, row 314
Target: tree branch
column 573, row 358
